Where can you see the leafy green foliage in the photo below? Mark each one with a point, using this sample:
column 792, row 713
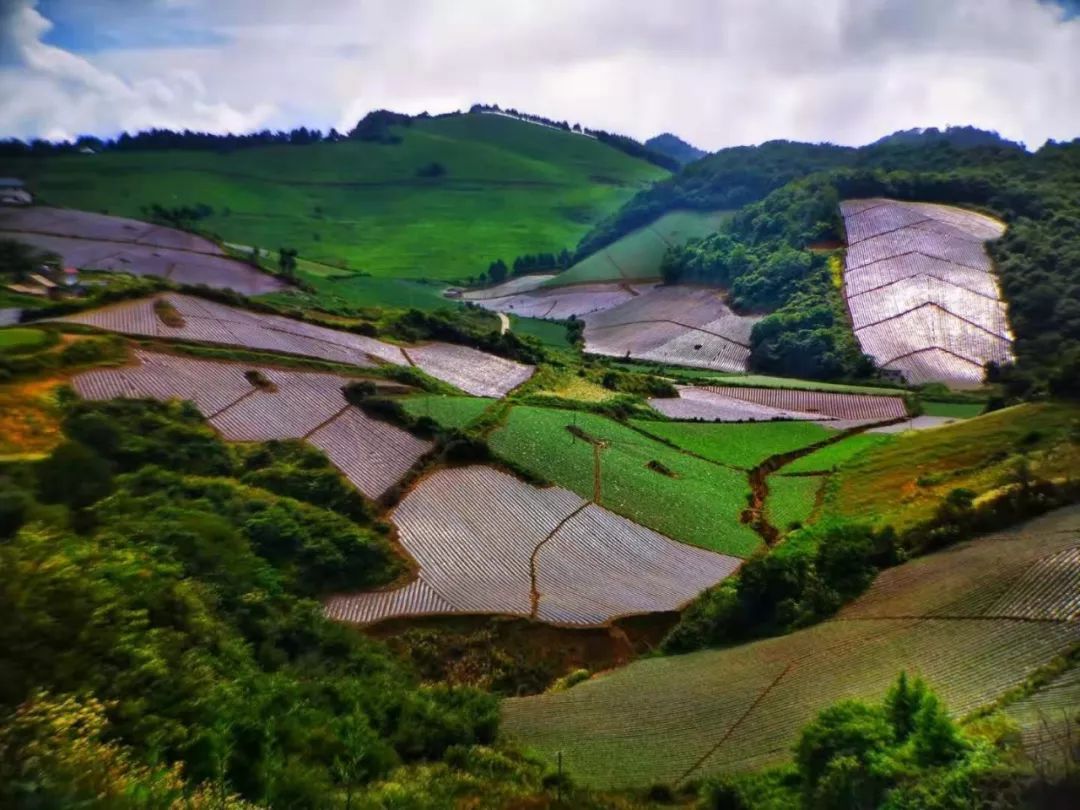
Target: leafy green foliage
column 183, row 606
column 775, row 593
column 903, row 753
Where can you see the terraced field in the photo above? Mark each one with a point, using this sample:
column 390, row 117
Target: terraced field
column 921, row 291
column 674, row 493
column 746, row 403
column 637, row 256
column 678, row 325
column 474, row 372
column 904, row 481
column 834, row 455
column 737, row 445
column 95, row 241
column 791, row 499
column 373, row 455
column 946, row 617
column 486, row 542
column 209, row 322
column 452, row 412
column 562, row 303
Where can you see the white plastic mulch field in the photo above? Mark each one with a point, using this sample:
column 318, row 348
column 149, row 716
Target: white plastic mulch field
column 487, row 543
column 205, row 321
column 373, row 455
column 561, row 303
column 921, row 289
column 679, row 325
column 744, row 403
column 100, row 242
column 474, row 372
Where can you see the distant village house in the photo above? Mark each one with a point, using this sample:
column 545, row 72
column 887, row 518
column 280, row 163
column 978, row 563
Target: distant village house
column 13, row 192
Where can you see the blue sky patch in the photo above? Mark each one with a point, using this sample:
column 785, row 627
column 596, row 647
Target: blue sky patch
column 93, row 26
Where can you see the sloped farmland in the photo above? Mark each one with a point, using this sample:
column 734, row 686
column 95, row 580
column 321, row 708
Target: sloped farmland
column 742, row 707
column 373, row 455
column 205, row 321
column 632, row 474
column 474, row 372
column 561, row 303
column 487, row 543
column 921, row 290
column 679, row 325
column 737, row 403
column 100, row 242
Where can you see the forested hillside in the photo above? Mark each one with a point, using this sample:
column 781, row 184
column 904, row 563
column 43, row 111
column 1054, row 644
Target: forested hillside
column 762, row 256
column 739, row 175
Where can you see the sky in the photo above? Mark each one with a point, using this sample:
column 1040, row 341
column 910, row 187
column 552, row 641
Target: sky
column 715, row 72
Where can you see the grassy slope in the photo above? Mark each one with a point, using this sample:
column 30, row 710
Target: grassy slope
column 453, row 412
column 955, row 410
column 700, row 505
column 19, row 339
column 638, row 255
column 663, row 719
column 741, row 445
column 842, row 452
column 906, row 480
column 510, row 188
column 791, row 499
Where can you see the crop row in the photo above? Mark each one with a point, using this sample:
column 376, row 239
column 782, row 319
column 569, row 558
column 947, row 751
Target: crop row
column 743, row 706
column 909, row 294
column 204, row 321
column 483, row 540
column 883, row 273
column 818, row 403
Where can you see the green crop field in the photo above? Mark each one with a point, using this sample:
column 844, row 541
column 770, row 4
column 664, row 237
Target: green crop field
column 677, row 718
column 638, row 255
column 834, row 455
column 510, row 188
column 689, row 499
column 549, row 333
column 745, row 444
column 449, row 411
column 956, row 410
column 905, row 480
column 19, row 339
column 791, row 499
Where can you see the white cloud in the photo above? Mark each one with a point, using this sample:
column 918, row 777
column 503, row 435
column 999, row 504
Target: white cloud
column 50, row 92
column 718, row 72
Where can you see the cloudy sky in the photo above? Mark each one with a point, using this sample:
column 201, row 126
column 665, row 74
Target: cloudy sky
column 716, row 72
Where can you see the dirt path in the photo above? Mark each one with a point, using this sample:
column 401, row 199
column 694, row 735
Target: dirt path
column 534, row 591
column 504, row 323
column 754, row 514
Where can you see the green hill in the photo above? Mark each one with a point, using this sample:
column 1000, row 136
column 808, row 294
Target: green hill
column 637, row 255
column 506, row 188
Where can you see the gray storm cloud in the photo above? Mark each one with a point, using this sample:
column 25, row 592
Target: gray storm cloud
column 718, row 72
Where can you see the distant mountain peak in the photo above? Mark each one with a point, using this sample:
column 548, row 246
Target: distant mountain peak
column 675, row 147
